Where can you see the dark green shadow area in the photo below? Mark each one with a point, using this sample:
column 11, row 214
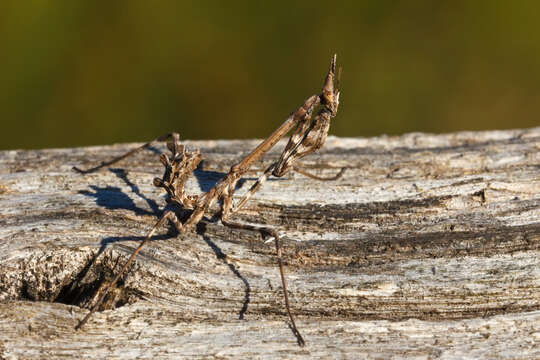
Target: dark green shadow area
column 97, row 72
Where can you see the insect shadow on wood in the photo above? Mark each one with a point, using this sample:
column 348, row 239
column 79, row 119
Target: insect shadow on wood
column 310, row 122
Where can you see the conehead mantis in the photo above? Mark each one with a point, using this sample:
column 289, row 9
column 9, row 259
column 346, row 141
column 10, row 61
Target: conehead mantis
column 310, row 122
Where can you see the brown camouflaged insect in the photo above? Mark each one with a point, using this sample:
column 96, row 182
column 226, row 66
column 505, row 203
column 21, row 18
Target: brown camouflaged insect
column 309, row 136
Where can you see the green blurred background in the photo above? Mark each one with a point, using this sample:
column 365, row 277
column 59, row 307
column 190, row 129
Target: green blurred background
column 79, row 73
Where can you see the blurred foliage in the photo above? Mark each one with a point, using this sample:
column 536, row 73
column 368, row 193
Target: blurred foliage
column 95, row 72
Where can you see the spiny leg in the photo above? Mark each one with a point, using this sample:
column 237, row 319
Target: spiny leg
column 275, row 235
column 228, row 210
column 299, row 337
column 128, row 154
column 167, row 215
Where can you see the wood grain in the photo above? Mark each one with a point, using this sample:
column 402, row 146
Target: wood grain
column 428, row 247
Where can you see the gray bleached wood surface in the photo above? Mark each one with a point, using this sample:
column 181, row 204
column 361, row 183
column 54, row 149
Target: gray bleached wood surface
column 428, row 247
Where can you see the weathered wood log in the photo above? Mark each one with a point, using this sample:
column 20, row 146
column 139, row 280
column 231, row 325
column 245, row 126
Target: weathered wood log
column 427, row 247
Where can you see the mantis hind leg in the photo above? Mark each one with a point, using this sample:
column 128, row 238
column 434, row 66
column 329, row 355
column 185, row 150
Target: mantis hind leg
column 126, row 155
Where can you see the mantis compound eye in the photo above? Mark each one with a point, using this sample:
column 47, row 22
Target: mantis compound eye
column 330, row 100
